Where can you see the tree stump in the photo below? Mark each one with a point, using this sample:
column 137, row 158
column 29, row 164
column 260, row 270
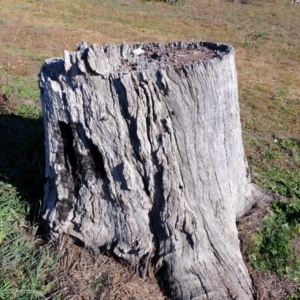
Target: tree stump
column 144, row 159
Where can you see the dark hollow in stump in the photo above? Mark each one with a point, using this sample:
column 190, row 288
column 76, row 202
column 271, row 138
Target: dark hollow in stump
column 144, row 159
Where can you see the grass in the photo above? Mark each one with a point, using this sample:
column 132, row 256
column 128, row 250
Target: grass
column 266, row 38
column 23, row 89
column 274, row 242
column 275, row 247
column 25, row 263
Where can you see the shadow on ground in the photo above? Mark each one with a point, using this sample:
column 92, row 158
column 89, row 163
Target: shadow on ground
column 22, row 158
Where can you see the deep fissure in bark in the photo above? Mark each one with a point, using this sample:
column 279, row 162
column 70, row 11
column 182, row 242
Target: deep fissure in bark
column 145, row 160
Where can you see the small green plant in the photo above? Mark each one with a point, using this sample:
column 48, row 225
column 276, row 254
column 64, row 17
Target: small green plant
column 252, row 37
column 285, row 183
column 103, row 281
column 273, row 249
column 280, row 93
column 288, row 144
column 270, row 154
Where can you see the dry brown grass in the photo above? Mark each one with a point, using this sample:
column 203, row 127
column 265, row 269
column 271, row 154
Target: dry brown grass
column 265, row 35
column 82, row 275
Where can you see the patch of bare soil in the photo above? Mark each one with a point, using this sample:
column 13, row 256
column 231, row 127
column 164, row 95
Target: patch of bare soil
column 266, row 286
column 80, row 275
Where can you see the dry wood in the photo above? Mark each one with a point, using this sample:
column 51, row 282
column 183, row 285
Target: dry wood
column 145, row 160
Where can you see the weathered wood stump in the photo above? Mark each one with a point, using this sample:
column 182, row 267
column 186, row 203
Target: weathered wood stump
column 145, row 160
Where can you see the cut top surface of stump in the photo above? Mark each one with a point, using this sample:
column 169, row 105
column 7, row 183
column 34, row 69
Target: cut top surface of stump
column 127, row 58
column 175, row 53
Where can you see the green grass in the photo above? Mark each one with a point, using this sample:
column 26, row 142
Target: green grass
column 24, row 264
column 16, row 93
column 273, row 247
column 273, row 244
column 19, row 88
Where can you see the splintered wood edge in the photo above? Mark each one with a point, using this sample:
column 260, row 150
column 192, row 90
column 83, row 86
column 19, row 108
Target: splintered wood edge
column 127, row 58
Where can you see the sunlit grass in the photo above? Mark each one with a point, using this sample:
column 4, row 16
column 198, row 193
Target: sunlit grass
column 266, row 38
column 24, row 266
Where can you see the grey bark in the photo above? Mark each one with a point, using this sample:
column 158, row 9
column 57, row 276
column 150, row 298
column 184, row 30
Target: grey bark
column 144, row 159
